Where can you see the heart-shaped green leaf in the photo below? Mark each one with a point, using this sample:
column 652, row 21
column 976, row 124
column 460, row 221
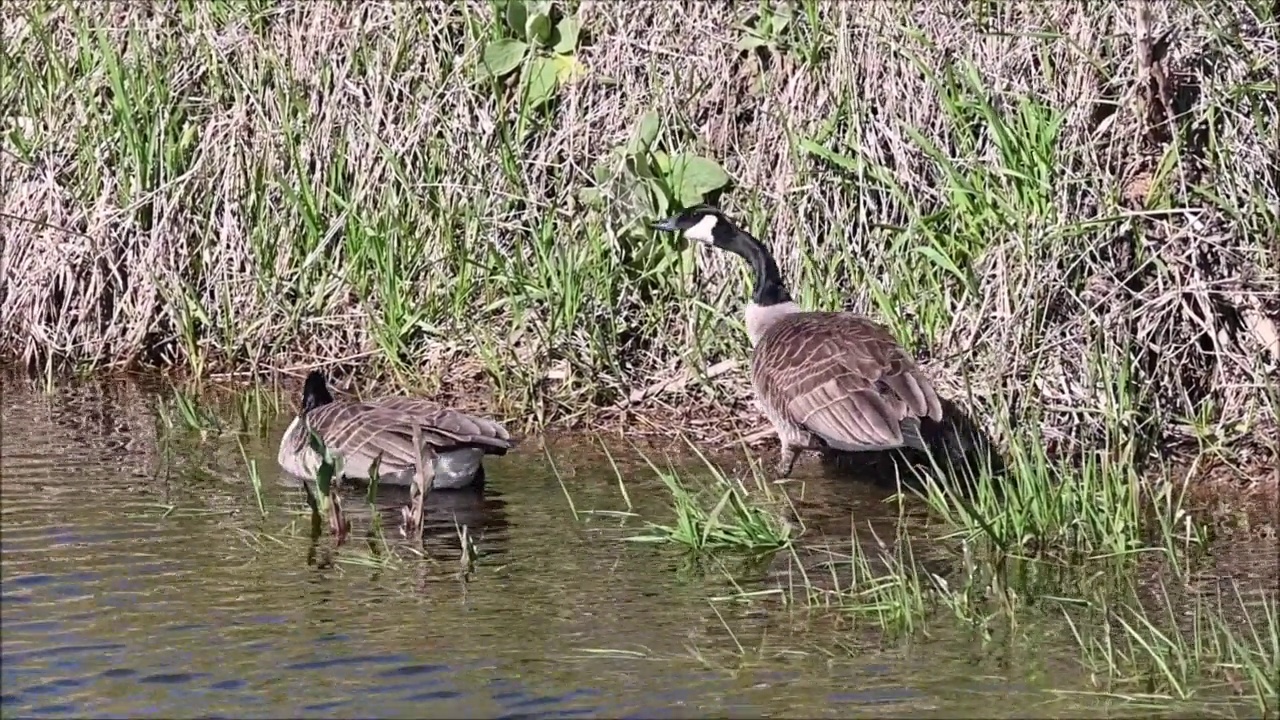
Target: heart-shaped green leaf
column 540, row 82
column 661, row 204
column 568, row 68
column 695, row 176
column 639, row 166
column 566, row 35
column 517, row 16
column 503, row 56
column 781, row 18
column 537, row 28
column 662, row 161
column 590, row 196
column 602, row 172
column 608, row 168
column 646, row 134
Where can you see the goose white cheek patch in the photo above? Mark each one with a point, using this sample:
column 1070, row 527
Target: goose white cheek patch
column 702, row 231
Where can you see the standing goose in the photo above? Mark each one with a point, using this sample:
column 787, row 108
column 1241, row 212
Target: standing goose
column 361, row 431
column 824, row 379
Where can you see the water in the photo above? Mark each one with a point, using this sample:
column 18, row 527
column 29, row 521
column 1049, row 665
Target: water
column 139, row 579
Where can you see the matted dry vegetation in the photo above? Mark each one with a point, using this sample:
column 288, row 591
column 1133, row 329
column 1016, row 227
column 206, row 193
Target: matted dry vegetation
column 1070, row 213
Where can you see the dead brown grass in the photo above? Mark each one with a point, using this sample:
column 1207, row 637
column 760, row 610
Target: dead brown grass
column 278, row 186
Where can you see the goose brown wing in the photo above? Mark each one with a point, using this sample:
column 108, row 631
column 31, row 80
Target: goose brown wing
column 842, row 377
column 447, row 427
column 362, row 432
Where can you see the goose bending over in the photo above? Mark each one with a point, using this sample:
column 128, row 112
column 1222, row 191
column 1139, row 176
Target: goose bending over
column 361, row 431
column 824, row 379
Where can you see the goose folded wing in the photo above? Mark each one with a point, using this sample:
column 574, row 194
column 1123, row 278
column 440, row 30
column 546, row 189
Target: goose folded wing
column 449, row 427
column 849, row 383
column 365, row 432
column 842, row 406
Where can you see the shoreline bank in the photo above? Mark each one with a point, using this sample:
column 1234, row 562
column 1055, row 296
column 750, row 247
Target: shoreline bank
column 1240, row 489
column 1072, row 232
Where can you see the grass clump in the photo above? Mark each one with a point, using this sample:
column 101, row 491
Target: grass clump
column 1216, row 648
column 723, row 515
column 1046, row 543
column 1067, row 509
column 730, row 521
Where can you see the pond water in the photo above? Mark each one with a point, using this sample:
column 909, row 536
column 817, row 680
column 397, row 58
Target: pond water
column 141, row 579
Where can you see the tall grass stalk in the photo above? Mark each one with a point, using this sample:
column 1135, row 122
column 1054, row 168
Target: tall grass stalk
column 255, row 479
column 325, row 501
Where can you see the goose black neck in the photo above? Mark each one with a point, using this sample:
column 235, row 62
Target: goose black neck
column 315, row 392
column 768, row 288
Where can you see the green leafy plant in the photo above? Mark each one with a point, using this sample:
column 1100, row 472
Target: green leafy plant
column 801, row 29
column 765, row 27
column 538, row 41
column 644, row 178
column 654, row 181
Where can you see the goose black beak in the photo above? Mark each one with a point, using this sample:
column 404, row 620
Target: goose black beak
column 666, row 224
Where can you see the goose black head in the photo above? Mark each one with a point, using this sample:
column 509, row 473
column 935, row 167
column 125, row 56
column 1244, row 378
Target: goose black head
column 702, row 223
column 713, row 228
column 315, row 392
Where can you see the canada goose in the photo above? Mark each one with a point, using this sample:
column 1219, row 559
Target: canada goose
column 361, row 431
column 824, row 379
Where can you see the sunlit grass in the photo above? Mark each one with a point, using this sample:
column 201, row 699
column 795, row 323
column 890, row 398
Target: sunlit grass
column 1069, row 509
column 721, row 513
column 1045, row 538
column 970, row 206
column 1217, row 648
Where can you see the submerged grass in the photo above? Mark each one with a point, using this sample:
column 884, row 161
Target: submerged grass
column 753, row 519
column 1215, row 647
column 1040, row 540
column 251, row 465
column 1057, row 211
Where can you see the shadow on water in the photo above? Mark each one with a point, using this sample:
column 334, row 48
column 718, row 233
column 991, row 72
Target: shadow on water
column 139, row 576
